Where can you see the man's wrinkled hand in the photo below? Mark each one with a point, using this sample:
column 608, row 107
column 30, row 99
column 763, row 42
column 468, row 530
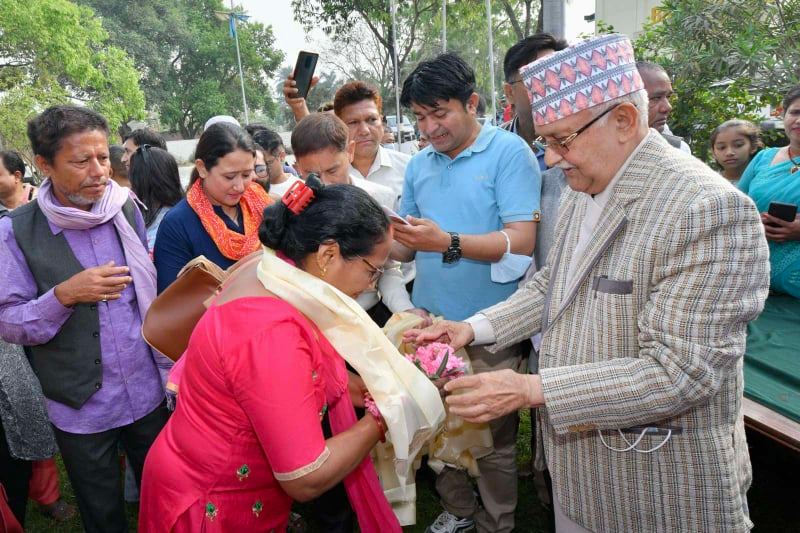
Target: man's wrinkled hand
column 422, row 235
column 484, row 397
column 456, row 334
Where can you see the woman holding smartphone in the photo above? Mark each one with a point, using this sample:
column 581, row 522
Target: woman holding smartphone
column 774, row 176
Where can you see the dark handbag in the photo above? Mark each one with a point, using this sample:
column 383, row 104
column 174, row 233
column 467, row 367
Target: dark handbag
column 175, row 312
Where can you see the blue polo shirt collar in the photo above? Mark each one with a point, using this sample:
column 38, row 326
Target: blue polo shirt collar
column 481, row 143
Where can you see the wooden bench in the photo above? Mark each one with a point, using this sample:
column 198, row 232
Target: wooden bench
column 774, row 425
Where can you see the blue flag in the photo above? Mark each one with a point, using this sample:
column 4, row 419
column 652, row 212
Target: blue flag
column 236, row 16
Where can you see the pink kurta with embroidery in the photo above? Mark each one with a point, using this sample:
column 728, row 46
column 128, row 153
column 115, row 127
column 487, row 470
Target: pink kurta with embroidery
column 257, row 380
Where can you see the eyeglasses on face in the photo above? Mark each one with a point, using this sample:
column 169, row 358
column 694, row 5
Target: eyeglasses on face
column 260, row 169
column 375, row 271
column 562, row 145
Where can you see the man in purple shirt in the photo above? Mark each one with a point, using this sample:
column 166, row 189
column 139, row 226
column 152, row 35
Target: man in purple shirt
column 77, row 281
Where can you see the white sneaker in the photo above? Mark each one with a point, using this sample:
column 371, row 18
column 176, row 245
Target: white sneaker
column 449, row 523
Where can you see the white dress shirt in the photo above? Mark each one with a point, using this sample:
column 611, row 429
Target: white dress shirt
column 391, row 286
column 388, row 169
column 381, row 193
column 277, row 190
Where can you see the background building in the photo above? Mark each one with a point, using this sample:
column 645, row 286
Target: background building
column 579, row 16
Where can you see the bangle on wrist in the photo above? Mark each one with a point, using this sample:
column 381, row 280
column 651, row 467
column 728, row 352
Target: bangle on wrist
column 372, row 408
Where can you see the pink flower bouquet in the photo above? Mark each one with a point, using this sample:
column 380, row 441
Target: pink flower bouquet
column 438, row 360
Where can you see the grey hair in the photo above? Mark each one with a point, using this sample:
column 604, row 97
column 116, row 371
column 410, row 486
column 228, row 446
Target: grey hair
column 638, row 99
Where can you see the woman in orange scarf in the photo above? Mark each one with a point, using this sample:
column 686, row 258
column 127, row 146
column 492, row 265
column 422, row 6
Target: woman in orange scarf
column 223, row 208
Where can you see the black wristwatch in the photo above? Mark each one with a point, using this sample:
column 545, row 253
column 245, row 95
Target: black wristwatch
column 453, row 253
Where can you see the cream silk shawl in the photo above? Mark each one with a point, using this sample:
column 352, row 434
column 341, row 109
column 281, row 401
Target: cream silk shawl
column 408, row 401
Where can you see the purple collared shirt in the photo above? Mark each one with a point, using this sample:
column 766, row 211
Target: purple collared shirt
column 132, row 384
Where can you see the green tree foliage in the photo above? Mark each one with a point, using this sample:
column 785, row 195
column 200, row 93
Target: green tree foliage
column 525, row 17
column 361, row 31
column 364, row 29
column 188, row 59
column 53, row 52
column 468, row 35
column 728, row 59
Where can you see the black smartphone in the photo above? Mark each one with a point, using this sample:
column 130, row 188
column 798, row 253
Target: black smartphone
column 786, row 212
column 304, row 71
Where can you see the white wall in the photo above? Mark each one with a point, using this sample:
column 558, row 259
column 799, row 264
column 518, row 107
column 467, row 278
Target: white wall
column 182, row 151
column 574, row 22
column 627, row 16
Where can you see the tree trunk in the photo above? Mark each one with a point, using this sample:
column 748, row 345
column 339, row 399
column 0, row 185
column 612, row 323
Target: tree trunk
column 528, row 17
column 540, row 18
column 185, row 130
column 512, row 17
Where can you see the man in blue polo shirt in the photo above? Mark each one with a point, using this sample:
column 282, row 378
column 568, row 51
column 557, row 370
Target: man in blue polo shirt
column 472, row 201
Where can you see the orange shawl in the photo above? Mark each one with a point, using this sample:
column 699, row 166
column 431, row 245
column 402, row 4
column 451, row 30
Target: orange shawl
column 231, row 244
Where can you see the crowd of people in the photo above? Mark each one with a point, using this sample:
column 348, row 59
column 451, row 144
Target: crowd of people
column 593, row 269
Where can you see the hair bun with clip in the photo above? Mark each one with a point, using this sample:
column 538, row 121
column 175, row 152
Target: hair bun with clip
column 297, row 198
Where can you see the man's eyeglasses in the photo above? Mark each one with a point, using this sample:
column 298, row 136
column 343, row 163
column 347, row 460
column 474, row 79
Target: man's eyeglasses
column 260, row 169
column 375, row 271
column 562, row 145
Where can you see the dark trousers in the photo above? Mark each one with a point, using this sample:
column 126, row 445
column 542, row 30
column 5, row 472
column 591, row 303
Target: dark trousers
column 93, row 466
column 332, row 510
column 15, row 475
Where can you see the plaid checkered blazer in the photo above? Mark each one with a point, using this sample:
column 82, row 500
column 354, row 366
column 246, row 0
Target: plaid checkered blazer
column 650, row 333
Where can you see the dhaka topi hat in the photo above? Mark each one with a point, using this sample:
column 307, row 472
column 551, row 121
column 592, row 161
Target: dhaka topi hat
column 584, row 75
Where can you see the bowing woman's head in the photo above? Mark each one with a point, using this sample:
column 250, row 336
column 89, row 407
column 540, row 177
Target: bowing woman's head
column 342, row 236
column 224, row 161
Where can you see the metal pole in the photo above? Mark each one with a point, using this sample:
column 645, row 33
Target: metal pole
column 393, row 8
column 444, row 26
column 553, row 19
column 239, row 61
column 491, row 60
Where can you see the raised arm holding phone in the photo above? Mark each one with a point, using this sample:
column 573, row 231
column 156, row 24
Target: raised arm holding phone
column 299, row 82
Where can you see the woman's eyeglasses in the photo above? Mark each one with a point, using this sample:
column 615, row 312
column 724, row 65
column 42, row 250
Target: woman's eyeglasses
column 260, row 169
column 375, row 271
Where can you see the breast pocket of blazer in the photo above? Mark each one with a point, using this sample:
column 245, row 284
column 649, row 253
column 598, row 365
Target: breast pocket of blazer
column 602, row 284
column 615, row 315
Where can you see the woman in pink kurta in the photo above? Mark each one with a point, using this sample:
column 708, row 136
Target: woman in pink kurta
column 257, row 379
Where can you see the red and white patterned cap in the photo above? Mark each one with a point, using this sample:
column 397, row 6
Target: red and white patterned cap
column 581, row 76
